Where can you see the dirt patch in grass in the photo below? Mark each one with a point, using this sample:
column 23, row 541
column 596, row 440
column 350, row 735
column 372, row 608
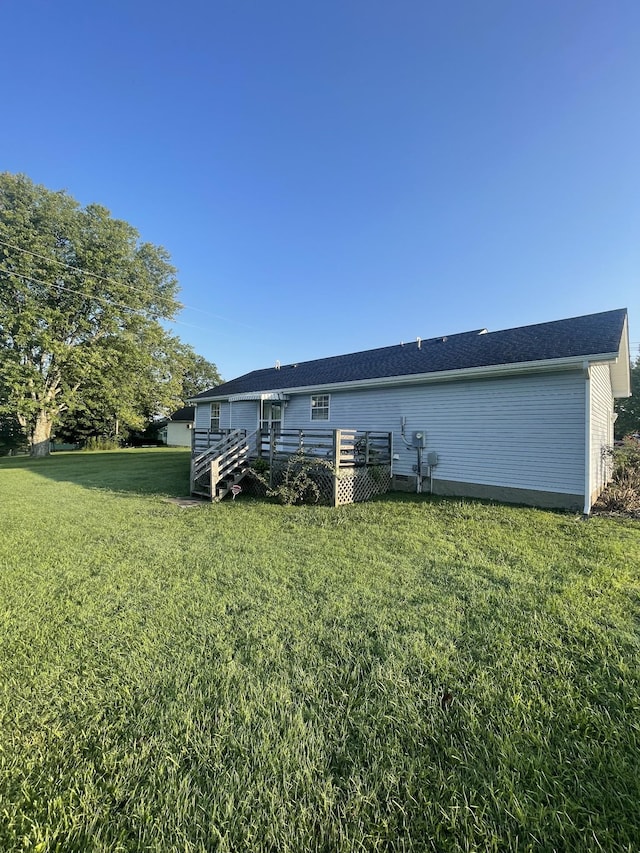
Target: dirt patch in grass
column 186, row 503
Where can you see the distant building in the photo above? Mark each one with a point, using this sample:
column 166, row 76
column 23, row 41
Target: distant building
column 177, row 430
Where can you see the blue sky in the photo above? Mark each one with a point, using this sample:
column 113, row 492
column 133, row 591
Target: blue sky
column 337, row 176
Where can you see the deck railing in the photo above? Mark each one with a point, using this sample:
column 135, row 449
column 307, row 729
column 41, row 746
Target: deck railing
column 203, row 439
column 362, row 460
column 343, row 447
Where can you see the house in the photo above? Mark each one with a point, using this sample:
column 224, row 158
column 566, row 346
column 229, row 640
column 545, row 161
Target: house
column 523, row 415
column 177, row 431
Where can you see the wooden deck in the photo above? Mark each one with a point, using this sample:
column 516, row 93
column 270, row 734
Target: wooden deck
column 361, row 460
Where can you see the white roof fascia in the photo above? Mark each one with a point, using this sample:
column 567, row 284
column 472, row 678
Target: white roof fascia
column 495, row 370
column 621, row 366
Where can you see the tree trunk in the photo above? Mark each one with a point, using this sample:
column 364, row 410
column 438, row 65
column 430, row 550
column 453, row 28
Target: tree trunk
column 41, row 435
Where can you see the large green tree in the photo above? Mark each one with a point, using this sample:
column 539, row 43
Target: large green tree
column 148, row 389
column 81, row 300
column 628, row 408
column 198, row 374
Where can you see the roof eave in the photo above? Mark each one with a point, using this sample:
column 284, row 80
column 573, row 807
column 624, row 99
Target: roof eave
column 621, row 366
column 542, row 365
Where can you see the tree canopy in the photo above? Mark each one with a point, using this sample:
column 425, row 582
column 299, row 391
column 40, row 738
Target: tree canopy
column 81, row 305
column 628, row 408
column 115, row 407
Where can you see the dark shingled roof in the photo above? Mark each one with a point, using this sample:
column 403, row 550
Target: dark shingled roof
column 186, row 413
column 593, row 334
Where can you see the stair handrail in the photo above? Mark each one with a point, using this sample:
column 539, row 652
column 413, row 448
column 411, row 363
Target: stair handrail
column 222, row 457
column 236, row 452
column 214, row 449
column 201, row 462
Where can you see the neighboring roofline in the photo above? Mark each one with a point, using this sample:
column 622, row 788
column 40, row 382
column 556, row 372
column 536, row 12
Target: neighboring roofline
column 182, row 420
column 486, row 371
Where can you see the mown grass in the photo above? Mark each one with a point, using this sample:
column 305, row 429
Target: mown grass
column 408, row 674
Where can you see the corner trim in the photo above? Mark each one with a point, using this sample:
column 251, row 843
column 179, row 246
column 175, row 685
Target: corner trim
column 587, row 440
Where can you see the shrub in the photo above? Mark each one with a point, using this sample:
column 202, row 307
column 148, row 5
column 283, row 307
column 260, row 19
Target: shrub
column 623, row 492
column 261, row 467
column 297, row 484
column 101, row 442
column 12, row 437
column 626, row 455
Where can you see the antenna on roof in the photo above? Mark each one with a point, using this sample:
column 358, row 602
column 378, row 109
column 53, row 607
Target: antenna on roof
column 419, row 341
column 277, row 365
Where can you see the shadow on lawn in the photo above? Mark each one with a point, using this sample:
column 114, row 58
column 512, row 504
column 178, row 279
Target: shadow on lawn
column 156, row 471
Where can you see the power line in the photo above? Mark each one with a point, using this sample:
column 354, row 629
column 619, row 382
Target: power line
column 72, row 267
column 29, row 278
column 122, row 284
column 97, row 298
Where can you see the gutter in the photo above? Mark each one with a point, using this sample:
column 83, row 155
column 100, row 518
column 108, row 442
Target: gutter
column 484, row 372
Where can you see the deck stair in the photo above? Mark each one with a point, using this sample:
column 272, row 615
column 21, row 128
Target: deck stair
column 222, row 465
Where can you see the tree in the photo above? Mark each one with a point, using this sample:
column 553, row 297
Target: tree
column 198, row 374
column 146, row 391
column 628, row 408
column 80, row 303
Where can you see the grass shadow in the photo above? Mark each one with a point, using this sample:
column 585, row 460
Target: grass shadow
column 147, row 471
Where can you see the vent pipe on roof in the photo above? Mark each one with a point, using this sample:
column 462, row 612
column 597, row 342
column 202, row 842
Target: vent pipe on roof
column 419, row 342
column 277, row 365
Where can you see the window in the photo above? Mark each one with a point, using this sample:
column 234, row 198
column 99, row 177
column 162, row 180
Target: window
column 215, row 417
column 320, row 407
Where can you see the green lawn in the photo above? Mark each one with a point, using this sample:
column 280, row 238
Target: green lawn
column 250, row 677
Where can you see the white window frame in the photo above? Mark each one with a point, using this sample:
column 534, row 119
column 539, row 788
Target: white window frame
column 316, row 407
column 215, row 407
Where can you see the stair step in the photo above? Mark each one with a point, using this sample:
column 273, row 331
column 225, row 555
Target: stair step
column 233, row 450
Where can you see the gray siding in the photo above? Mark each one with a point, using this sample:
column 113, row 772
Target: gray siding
column 203, row 416
column 601, row 428
column 244, row 414
column 240, row 415
column 518, row 432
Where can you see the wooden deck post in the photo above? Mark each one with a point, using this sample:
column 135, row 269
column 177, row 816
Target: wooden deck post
column 214, row 477
column 272, row 449
column 337, row 442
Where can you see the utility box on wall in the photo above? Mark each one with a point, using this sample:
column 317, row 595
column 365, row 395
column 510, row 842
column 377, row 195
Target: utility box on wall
column 419, row 438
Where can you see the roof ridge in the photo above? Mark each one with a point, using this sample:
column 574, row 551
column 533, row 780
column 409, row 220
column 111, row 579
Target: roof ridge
column 573, row 337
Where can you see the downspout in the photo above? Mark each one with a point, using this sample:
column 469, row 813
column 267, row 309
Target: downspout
column 230, row 414
column 587, row 438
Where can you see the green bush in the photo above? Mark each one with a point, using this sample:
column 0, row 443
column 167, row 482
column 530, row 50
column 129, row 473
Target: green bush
column 623, row 492
column 12, row 437
column 297, row 484
column 101, row 442
column 261, row 467
column 626, row 455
